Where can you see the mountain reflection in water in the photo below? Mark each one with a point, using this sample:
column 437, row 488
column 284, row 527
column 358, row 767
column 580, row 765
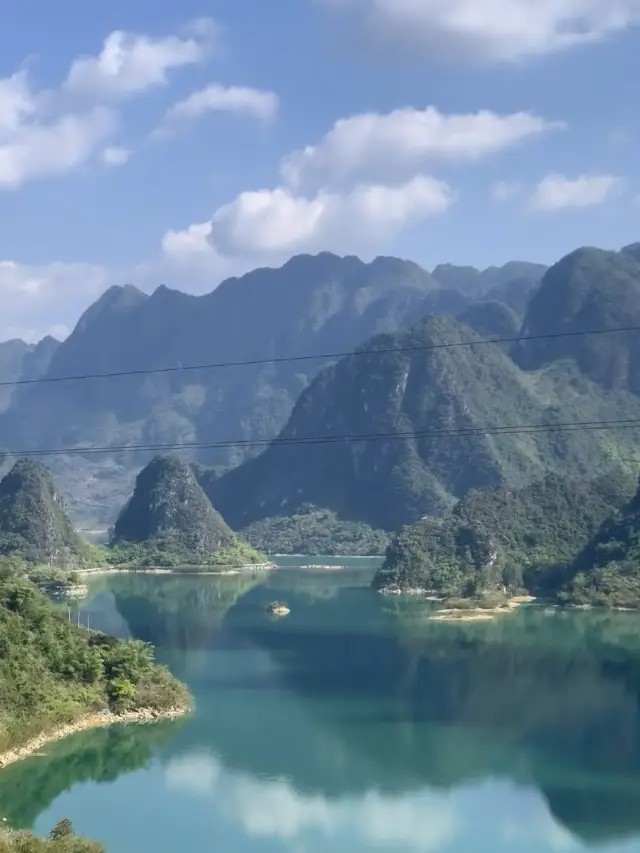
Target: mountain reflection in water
column 359, row 723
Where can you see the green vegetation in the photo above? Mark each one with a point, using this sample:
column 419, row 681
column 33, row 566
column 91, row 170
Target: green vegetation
column 52, row 580
column 606, row 572
column 169, row 522
column 312, row 304
column 503, row 539
column 438, row 406
column 62, row 839
column 28, row 788
column 315, row 531
column 52, row 672
column 34, row 524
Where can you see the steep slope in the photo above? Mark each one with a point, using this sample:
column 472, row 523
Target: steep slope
column 318, row 304
column 491, row 320
column 34, row 524
column 607, row 570
column 503, row 537
column 516, row 294
column 20, row 362
column 169, row 521
column 37, row 360
column 435, row 409
column 589, row 289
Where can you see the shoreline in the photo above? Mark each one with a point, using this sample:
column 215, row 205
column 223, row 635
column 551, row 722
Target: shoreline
column 158, row 570
column 95, row 720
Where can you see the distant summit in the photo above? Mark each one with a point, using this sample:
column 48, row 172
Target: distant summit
column 34, row 524
column 169, row 521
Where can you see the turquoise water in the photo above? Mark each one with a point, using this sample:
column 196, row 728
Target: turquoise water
column 353, row 724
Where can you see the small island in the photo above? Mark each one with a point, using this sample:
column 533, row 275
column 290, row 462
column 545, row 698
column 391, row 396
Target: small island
column 277, row 608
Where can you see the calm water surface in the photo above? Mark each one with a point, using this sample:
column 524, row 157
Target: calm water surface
column 354, row 724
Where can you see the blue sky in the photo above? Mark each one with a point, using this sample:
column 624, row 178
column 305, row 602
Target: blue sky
column 182, row 143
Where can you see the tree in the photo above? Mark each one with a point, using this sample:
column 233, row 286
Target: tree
column 63, row 829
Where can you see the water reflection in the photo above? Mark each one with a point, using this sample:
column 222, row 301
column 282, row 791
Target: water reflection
column 355, row 723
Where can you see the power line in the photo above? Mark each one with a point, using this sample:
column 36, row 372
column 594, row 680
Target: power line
column 320, row 356
column 515, row 429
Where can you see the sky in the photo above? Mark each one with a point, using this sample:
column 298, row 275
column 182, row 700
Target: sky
column 182, row 143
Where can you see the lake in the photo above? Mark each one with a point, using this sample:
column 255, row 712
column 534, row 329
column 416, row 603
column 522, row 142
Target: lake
column 353, row 724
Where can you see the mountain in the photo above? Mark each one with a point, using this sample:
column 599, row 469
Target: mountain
column 503, row 537
column 34, row 524
column 590, row 289
column 437, row 406
column 476, row 283
column 491, row 320
column 169, row 521
column 313, row 304
column 515, row 294
column 12, row 355
column 20, row 361
column 607, row 570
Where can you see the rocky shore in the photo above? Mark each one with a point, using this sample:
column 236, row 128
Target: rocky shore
column 88, row 721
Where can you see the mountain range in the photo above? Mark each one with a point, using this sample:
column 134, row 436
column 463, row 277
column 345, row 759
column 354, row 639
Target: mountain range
column 452, row 413
column 313, row 305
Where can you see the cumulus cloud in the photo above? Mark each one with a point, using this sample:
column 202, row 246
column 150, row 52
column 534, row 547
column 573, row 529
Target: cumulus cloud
column 353, row 191
column 45, row 133
column 491, row 30
column 46, row 299
column 276, row 223
column 16, row 103
column 34, row 144
column 129, row 63
column 36, row 150
column 407, row 140
column 257, row 103
column 557, row 192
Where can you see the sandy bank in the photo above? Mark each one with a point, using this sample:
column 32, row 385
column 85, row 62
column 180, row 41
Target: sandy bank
column 89, row 721
column 478, row 614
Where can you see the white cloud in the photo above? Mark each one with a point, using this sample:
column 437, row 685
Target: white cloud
column 115, row 156
column 505, row 190
column 16, row 103
column 276, row 223
column 48, row 299
column 36, row 150
column 45, row 133
column 258, row 103
column 129, row 63
column 557, row 192
column 273, row 809
column 404, row 141
column 492, row 30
